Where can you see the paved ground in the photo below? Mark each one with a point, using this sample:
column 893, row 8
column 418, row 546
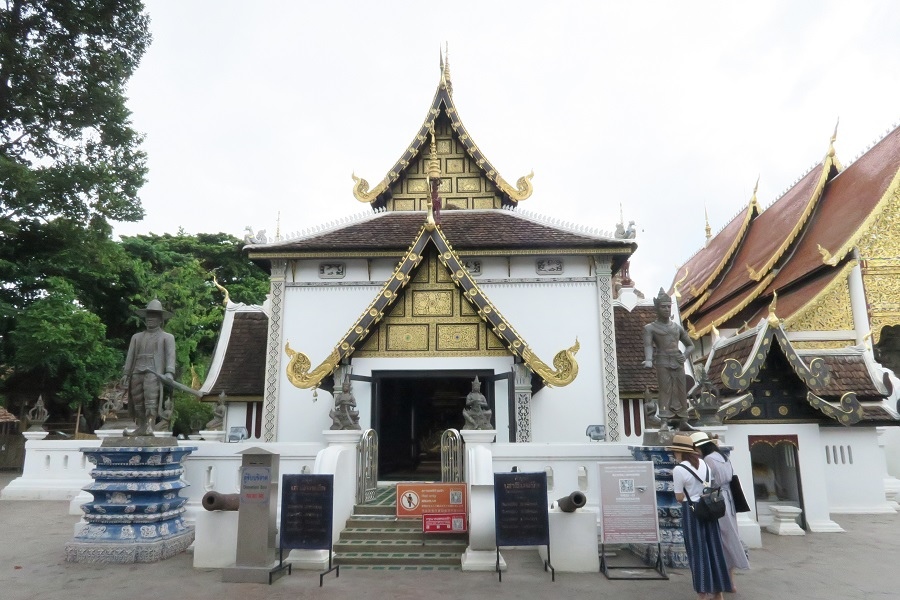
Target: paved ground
column 861, row 563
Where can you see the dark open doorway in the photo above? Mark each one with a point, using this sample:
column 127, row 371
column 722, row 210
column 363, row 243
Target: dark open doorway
column 411, row 410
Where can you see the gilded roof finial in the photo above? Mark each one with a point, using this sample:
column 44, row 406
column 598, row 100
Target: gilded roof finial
column 772, row 318
column 830, row 152
column 675, row 291
column 446, row 68
column 708, row 228
column 753, row 200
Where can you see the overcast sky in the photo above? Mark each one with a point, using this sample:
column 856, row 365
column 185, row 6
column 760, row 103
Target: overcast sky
column 667, row 108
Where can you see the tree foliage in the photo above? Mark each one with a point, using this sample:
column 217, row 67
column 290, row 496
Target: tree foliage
column 63, row 346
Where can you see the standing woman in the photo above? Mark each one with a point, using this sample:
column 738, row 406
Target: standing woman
column 701, row 538
column 722, row 472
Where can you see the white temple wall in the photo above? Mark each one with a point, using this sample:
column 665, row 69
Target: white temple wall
column 890, row 437
column 854, row 470
column 315, row 319
column 550, row 316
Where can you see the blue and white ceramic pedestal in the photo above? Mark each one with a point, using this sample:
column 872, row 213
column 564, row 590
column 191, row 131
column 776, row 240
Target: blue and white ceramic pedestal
column 137, row 513
column 667, row 508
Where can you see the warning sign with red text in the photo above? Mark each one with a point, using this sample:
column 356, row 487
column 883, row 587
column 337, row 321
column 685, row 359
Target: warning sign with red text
column 416, row 499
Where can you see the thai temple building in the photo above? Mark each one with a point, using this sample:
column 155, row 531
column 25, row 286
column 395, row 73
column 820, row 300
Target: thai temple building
column 447, row 319
column 795, row 316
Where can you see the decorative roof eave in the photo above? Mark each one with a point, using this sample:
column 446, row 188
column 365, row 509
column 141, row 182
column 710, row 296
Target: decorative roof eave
column 846, row 412
column 892, row 192
column 750, row 297
column 443, row 95
column 753, row 211
column 839, row 279
column 734, row 406
column 824, row 176
column 877, row 374
column 738, row 377
column 565, row 366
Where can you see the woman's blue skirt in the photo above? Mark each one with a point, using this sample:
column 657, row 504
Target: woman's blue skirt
column 705, row 554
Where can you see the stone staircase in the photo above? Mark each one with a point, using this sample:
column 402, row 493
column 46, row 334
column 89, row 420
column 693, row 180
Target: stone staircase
column 375, row 539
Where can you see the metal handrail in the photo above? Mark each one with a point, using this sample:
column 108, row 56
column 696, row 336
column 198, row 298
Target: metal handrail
column 367, row 466
column 452, row 457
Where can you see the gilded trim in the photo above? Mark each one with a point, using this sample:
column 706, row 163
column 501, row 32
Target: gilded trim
column 846, row 412
column 752, row 212
column 892, row 190
column 565, row 367
column 444, row 95
column 693, row 307
column 811, row 204
column 812, row 304
column 750, row 297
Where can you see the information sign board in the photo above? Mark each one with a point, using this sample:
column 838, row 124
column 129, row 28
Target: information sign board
column 307, row 509
column 628, row 503
column 520, row 509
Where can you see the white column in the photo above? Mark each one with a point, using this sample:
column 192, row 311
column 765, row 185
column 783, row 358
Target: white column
column 274, row 350
column 858, row 303
column 612, row 405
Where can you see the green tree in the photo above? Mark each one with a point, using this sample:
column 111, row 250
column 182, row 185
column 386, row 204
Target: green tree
column 63, row 348
column 70, row 161
column 178, row 269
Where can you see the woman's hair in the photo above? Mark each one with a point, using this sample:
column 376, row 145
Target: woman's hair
column 707, row 449
column 691, row 458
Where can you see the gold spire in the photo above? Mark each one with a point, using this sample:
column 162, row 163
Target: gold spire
column 446, row 68
column 753, row 200
column 833, row 139
column 708, row 228
column 772, row 318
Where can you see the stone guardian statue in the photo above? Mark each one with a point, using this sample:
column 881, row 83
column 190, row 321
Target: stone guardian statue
column 661, row 350
column 477, row 414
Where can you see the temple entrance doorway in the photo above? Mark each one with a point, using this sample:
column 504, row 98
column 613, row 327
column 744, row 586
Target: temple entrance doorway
column 776, row 474
column 410, row 411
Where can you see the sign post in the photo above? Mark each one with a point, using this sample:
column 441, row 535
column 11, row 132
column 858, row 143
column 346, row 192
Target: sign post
column 520, row 513
column 628, row 513
column 307, row 515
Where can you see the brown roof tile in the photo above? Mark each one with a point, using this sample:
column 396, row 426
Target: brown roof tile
column 710, row 259
column 849, row 373
column 767, row 234
column 634, row 378
column 848, row 201
column 244, row 365
column 470, row 230
column 737, row 347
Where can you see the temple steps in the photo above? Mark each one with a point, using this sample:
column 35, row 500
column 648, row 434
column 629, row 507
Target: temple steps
column 374, row 538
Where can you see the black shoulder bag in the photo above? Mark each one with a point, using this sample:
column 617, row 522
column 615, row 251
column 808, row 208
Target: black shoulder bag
column 711, row 505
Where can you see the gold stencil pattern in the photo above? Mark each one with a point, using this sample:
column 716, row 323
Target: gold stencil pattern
column 436, row 303
column 829, row 312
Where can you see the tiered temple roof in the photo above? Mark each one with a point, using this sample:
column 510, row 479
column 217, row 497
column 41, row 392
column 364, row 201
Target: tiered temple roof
column 800, row 247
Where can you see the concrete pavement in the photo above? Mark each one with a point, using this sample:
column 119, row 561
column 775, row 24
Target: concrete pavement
column 861, row 563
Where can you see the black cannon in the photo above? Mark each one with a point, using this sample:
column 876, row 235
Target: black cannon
column 217, row 501
column 571, row 502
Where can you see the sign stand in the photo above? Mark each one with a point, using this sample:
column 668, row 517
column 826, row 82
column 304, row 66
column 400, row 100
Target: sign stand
column 307, row 517
column 520, row 513
column 628, row 514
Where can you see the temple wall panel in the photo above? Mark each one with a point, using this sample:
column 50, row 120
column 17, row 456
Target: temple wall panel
column 830, row 312
column 853, row 465
column 879, row 249
column 550, row 316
